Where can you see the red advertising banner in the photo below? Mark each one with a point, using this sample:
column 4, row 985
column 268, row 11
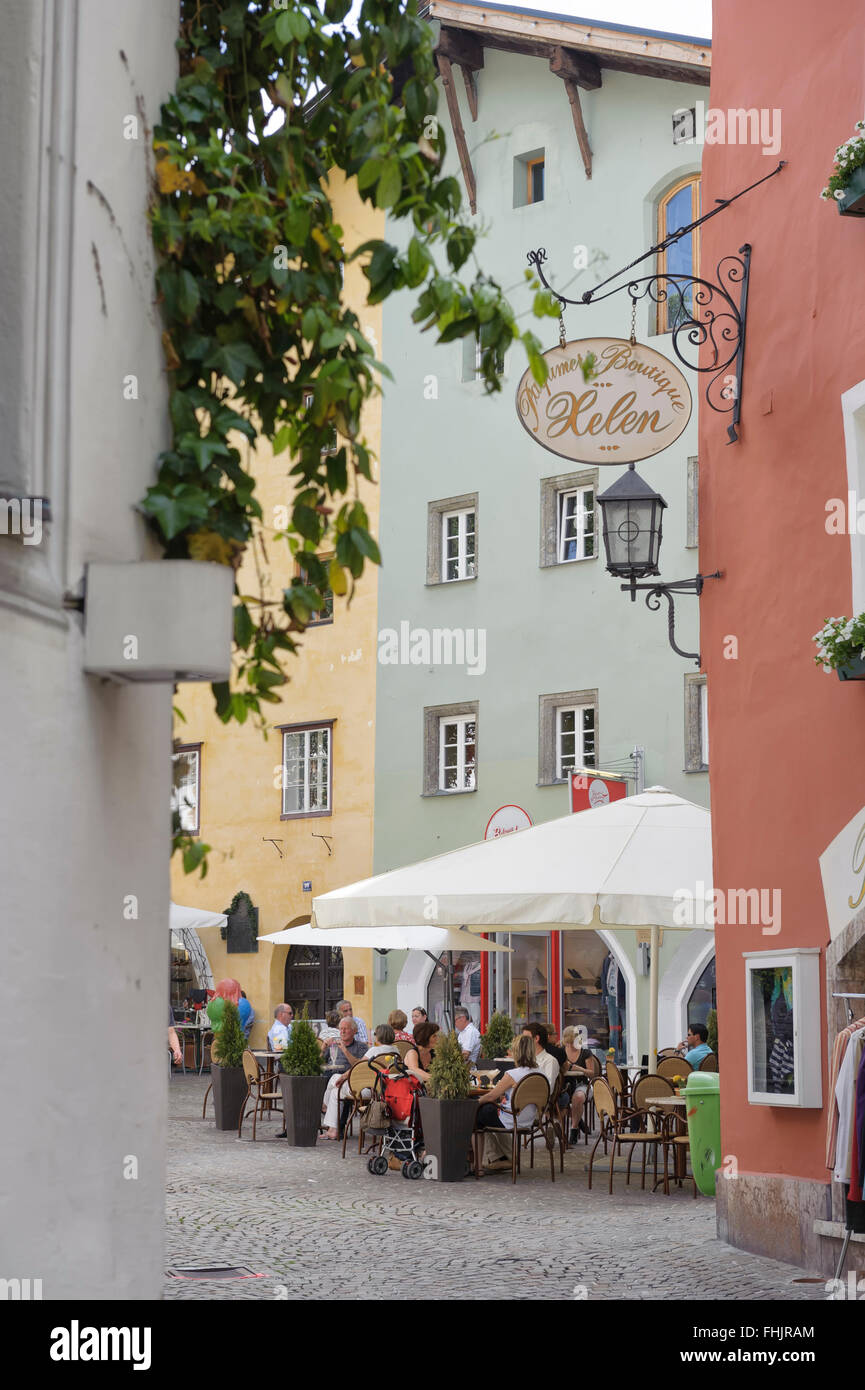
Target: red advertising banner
column 589, row 789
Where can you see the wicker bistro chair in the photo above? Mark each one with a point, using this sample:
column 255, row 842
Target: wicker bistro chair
column 615, row 1130
column 618, row 1084
column 677, row 1141
column 532, row 1090
column 674, row 1066
column 558, row 1119
column 709, row 1062
column 259, row 1091
column 667, row 1052
column 361, row 1077
column 645, row 1088
column 403, row 1047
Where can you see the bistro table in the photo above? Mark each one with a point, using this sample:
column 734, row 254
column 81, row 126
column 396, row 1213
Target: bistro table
column 197, row 1031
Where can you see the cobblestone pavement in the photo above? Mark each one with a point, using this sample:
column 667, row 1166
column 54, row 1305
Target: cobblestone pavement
column 293, row 1215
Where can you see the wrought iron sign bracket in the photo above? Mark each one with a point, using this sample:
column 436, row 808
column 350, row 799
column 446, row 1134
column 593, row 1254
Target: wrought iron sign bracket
column 705, row 312
column 658, row 591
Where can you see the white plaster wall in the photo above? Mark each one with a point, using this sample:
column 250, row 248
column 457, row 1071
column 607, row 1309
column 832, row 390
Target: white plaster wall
column 86, row 771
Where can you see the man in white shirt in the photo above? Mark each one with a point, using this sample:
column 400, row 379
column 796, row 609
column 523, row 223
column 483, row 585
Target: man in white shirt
column 280, row 1029
column 344, row 1010
column 468, row 1036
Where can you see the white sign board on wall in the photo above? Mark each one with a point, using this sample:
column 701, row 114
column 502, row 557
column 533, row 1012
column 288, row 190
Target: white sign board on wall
column 505, row 821
column 842, row 865
column 605, row 401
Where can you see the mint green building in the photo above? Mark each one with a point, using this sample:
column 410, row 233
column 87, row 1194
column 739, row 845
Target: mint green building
column 507, row 655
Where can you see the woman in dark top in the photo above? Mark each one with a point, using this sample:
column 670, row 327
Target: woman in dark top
column 577, row 1060
column 418, row 1058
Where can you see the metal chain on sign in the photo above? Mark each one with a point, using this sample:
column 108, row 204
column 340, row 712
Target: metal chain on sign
column 633, row 322
column 562, row 338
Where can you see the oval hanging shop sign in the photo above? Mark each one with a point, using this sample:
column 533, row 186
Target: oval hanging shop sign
column 633, row 404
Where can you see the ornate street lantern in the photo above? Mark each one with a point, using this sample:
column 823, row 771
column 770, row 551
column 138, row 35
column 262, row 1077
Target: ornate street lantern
column 633, row 515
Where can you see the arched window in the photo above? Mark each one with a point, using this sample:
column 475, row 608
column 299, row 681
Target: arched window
column 703, row 996
column 679, row 206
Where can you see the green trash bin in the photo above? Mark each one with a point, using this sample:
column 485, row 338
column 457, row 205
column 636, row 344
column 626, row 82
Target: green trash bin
column 703, row 1096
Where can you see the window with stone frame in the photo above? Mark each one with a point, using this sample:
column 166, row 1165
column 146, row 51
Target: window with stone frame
column 450, row 749
column 567, row 734
column 568, row 531
column 452, row 539
column 696, row 724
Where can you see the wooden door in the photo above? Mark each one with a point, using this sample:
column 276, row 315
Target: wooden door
column 313, row 975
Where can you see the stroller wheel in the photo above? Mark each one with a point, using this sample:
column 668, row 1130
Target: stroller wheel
column 412, row 1168
column 378, row 1165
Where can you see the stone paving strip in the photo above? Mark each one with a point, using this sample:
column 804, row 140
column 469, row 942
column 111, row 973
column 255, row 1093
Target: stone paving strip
column 295, row 1215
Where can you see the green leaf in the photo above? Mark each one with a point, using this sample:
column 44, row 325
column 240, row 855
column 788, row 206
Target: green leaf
column 176, row 509
column 366, row 545
column 291, row 24
column 389, row 185
column 243, row 626
column 370, row 173
column 234, row 360
column 188, row 295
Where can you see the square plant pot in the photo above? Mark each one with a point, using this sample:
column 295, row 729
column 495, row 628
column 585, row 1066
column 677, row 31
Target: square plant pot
column 301, row 1102
column 853, row 202
column 448, row 1126
column 230, row 1089
column 853, row 671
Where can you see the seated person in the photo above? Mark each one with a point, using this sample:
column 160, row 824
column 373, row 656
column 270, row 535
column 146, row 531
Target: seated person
column 418, row 1015
column 554, row 1046
column 468, row 1036
column 329, row 1035
column 384, row 1039
column 397, row 1020
column 496, row 1112
column 280, row 1030
column 577, row 1089
column 544, row 1059
column 349, row 1050
column 345, row 1010
column 418, row 1058
column 696, row 1048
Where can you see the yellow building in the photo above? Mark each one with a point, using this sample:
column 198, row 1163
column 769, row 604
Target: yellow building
column 322, row 733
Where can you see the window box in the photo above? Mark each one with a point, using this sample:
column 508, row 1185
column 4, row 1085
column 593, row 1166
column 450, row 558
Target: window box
column 853, row 671
column 853, row 202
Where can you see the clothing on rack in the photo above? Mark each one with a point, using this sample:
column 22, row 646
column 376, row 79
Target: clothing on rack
column 838, row 1051
column 845, row 1101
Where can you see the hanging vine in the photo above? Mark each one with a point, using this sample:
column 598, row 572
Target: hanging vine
column 257, row 340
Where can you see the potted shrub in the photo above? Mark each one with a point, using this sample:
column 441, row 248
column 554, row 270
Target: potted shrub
column 841, row 647
column 448, row 1112
column 497, row 1039
column 302, row 1083
column 846, row 184
column 230, row 1086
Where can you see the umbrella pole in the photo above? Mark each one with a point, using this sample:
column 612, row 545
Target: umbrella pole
column 653, row 999
column 450, row 995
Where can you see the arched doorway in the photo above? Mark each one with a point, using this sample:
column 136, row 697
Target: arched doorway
column 313, row 976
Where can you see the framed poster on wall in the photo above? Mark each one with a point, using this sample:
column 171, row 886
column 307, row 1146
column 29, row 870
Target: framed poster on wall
column 782, row 997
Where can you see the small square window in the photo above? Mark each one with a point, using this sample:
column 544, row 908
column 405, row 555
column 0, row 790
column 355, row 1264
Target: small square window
column 322, row 615
column 473, row 359
column 332, row 445
column 530, row 177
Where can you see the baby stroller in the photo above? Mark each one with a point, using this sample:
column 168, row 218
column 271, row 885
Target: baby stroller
column 401, row 1139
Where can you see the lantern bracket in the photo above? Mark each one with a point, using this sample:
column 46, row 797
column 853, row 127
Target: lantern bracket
column 704, row 312
column 678, row 586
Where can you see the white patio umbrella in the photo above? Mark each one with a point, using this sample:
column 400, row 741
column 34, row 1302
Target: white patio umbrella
column 416, row 938
column 433, row 940
column 194, row 918
column 625, row 865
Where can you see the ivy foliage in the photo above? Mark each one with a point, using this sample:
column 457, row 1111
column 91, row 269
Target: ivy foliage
column 272, row 96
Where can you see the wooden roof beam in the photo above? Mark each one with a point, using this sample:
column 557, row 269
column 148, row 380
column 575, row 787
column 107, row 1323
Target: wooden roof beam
column 459, row 134
column 575, row 67
column 467, row 51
